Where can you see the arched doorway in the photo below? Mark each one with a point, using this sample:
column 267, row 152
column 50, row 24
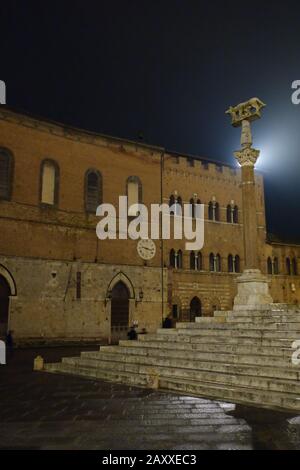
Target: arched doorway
column 5, row 293
column 119, row 312
column 195, row 308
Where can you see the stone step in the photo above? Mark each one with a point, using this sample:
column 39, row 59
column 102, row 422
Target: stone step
column 235, row 394
column 281, row 316
column 253, row 396
column 217, row 339
column 274, row 351
column 128, row 378
column 253, row 359
column 193, row 329
column 196, row 366
column 154, row 368
column 234, row 325
column 242, row 356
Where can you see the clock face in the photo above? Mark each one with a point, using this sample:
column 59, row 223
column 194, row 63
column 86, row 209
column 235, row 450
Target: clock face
column 146, row 249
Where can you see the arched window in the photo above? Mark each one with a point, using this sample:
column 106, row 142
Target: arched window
column 199, row 261
column 210, row 211
column 288, row 266
column 178, row 206
column 295, row 267
column 229, row 214
column 198, row 209
column 179, row 259
column 234, row 264
column 49, row 183
column 230, row 264
column 196, row 261
column 93, row 190
column 235, row 215
column 218, row 263
column 217, row 211
column 214, row 211
column 276, row 266
column 6, row 174
column 134, row 194
column 192, row 260
column 212, row 262
column 192, row 208
column 270, row 266
column 172, row 259
column 237, row 264
column 176, row 259
column 172, row 203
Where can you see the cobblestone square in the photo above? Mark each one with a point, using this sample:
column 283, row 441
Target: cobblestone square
column 47, row 411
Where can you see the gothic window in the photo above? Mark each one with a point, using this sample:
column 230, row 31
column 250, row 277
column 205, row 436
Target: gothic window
column 237, row 264
column 198, row 209
column 199, row 261
column 192, row 208
column 172, row 259
column 176, row 259
column 134, row 194
column 49, row 183
column 178, row 203
column 214, row 211
column 270, row 266
column 235, row 215
column 192, row 260
column 93, row 190
column 6, row 171
column 179, row 259
column 218, row 263
column 172, row 202
column 210, row 211
column 288, row 266
column 232, row 214
column 229, row 214
column 230, row 264
column 295, row 267
column 212, row 262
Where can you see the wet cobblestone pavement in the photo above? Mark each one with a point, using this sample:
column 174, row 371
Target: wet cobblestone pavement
column 45, row 411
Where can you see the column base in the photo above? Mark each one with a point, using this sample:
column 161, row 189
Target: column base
column 253, row 291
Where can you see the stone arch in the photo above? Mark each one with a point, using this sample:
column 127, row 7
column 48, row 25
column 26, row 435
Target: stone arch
column 123, row 278
column 9, row 279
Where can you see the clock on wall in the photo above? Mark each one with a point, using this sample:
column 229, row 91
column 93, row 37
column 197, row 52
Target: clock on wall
column 146, row 249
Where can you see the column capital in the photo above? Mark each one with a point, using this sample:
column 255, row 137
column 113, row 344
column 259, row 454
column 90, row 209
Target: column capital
column 247, row 156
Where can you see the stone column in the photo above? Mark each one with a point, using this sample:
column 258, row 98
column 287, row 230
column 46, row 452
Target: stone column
column 253, row 288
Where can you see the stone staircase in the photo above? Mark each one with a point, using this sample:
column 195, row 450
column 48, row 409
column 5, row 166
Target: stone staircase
column 241, row 357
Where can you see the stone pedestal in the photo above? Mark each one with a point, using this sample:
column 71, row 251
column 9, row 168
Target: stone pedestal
column 253, row 291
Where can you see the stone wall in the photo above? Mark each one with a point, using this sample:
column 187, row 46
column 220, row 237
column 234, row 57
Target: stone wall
column 46, row 307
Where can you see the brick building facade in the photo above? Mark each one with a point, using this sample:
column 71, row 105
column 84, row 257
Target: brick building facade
column 58, row 281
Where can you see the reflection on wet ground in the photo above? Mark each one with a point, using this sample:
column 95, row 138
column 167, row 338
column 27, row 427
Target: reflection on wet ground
column 45, row 411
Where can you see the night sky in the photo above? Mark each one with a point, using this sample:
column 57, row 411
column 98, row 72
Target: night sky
column 167, row 69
